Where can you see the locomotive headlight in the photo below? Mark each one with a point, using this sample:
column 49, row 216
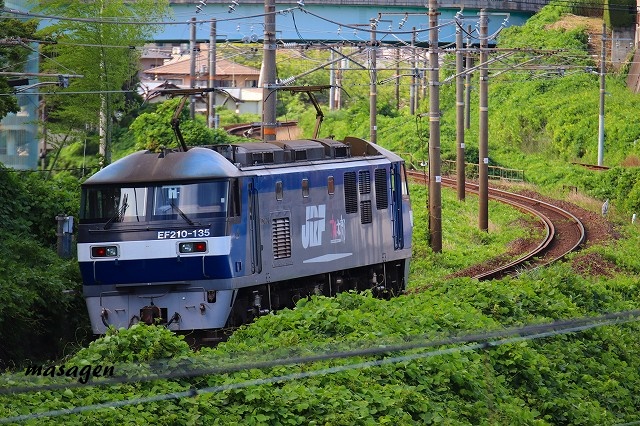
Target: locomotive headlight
column 104, row 251
column 193, row 247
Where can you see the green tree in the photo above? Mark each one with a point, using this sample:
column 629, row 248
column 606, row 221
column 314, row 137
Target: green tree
column 153, row 130
column 12, row 53
column 97, row 41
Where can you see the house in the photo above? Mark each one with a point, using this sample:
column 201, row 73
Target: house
column 238, row 82
column 178, row 71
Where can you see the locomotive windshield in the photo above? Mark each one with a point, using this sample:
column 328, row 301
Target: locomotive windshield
column 154, row 203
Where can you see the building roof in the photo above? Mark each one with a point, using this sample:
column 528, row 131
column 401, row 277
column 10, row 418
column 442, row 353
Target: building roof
column 182, row 66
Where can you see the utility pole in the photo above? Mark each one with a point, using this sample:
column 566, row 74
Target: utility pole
column 414, row 87
column 338, row 92
column 332, row 82
column 269, row 73
column 192, row 70
column 602, row 93
column 467, row 82
column 211, row 119
column 483, row 144
column 435, row 180
column 460, row 175
column 373, row 95
column 398, row 79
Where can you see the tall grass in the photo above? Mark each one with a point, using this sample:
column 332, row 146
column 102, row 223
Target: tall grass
column 463, row 244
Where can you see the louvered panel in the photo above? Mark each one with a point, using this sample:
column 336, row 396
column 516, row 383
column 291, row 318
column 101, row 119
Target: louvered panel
column 366, row 215
column 281, row 237
column 382, row 197
column 365, row 182
column 350, row 193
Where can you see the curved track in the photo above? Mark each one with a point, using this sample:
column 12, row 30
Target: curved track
column 563, row 232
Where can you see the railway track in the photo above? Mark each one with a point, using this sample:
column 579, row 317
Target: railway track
column 563, row 232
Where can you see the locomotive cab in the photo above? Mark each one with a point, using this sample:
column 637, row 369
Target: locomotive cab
column 154, row 224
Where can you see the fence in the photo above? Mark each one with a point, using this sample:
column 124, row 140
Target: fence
column 471, row 170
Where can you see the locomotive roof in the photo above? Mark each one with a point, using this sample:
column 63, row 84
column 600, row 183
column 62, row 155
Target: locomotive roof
column 146, row 166
column 282, row 153
column 224, row 161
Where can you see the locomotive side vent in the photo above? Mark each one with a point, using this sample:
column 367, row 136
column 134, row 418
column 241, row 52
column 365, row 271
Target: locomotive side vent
column 382, row 197
column 281, row 237
column 365, row 181
column 350, row 192
column 366, row 215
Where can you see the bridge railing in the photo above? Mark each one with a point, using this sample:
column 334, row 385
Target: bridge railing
column 520, row 5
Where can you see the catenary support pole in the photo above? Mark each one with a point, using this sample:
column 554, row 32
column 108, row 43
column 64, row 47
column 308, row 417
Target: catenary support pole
column 211, row 117
column 602, row 94
column 373, row 93
column 467, row 82
column 192, row 69
column 413, row 89
column 398, row 79
column 460, row 172
column 483, row 143
column 269, row 73
column 435, row 180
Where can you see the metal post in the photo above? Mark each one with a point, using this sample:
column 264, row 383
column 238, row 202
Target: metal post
column 435, row 180
column 424, row 78
column 192, row 70
column 373, row 95
column 64, row 232
column 338, row 92
column 269, row 73
column 413, row 87
column 602, row 93
column 332, row 82
column 211, row 122
column 483, row 145
column 398, row 79
column 460, row 115
column 467, row 83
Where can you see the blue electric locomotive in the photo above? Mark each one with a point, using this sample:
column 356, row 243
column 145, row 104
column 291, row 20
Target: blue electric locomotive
column 211, row 237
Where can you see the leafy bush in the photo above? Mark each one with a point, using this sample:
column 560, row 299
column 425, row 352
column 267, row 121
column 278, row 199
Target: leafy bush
column 139, row 343
column 41, row 309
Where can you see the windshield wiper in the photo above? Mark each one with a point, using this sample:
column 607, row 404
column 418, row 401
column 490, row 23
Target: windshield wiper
column 182, row 215
column 119, row 214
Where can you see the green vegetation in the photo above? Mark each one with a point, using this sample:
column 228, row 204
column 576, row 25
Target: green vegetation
column 463, row 243
column 152, row 130
column 42, row 313
column 12, row 56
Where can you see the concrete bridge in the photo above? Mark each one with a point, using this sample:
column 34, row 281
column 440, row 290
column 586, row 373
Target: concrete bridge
column 399, row 21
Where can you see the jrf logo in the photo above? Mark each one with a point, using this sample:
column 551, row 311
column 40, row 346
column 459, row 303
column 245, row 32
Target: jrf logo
column 314, row 226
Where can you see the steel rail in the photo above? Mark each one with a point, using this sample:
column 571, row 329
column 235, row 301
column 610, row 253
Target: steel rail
column 536, row 208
